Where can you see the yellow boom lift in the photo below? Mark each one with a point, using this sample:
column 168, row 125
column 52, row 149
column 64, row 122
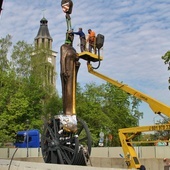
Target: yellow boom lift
column 127, row 135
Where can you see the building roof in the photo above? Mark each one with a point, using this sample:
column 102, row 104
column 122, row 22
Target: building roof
column 43, row 30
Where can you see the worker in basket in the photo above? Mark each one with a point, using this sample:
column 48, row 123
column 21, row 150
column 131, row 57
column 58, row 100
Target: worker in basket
column 91, row 40
column 82, row 39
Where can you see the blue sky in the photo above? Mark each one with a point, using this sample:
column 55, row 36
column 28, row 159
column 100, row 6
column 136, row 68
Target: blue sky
column 137, row 34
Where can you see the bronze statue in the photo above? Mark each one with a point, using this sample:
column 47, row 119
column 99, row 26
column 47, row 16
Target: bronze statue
column 69, row 65
column 69, row 68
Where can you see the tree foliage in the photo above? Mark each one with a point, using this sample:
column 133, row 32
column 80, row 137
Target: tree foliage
column 106, row 108
column 166, row 58
column 21, row 62
column 162, row 135
column 23, row 94
column 5, row 44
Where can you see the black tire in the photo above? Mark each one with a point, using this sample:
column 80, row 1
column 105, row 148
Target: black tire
column 84, row 135
column 58, row 148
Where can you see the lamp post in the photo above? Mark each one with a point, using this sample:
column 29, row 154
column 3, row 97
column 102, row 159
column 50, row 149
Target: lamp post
column 101, row 141
column 27, row 136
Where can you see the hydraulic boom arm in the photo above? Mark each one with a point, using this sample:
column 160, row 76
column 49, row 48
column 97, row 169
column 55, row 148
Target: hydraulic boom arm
column 155, row 105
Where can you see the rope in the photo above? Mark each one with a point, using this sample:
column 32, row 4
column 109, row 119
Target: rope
column 12, row 158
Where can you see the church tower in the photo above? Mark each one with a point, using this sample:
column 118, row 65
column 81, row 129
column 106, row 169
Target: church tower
column 44, row 41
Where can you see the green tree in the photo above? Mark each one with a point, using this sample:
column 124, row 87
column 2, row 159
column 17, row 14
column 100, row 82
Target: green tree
column 105, row 108
column 166, row 58
column 5, row 44
column 24, row 94
column 54, row 105
column 21, row 58
column 7, row 90
column 165, row 134
column 118, row 106
column 89, row 108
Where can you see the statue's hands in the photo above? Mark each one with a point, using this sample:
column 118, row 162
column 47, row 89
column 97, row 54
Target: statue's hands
column 70, row 31
column 65, row 76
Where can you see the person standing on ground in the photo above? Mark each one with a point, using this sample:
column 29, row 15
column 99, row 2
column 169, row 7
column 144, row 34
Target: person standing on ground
column 82, row 39
column 92, row 40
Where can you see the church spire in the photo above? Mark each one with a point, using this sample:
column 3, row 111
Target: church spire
column 43, row 41
column 43, row 37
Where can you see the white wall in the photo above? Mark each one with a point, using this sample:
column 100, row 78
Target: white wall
column 111, row 152
column 142, row 152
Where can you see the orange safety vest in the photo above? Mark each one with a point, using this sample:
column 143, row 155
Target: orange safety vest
column 92, row 37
